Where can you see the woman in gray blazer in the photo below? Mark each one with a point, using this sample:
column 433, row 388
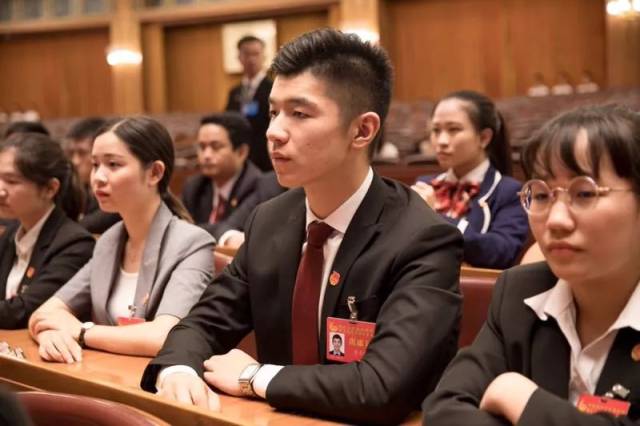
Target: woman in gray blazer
column 146, row 271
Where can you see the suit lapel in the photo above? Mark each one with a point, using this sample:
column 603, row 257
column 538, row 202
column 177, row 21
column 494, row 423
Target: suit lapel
column 47, row 234
column 150, row 259
column 620, row 368
column 475, row 216
column 362, row 229
column 550, row 358
column 288, row 249
column 103, row 272
column 204, row 201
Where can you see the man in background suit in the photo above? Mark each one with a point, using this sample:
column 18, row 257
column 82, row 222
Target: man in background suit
column 78, row 144
column 385, row 257
column 251, row 97
column 227, row 178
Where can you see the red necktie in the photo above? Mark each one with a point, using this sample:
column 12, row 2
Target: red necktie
column 306, row 295
column 453, row 198
column 218, row 212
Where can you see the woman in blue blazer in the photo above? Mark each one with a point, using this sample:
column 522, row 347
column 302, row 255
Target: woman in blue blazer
column 563, row 335
column 41, row 248
column 476, row 192
column 146, row 271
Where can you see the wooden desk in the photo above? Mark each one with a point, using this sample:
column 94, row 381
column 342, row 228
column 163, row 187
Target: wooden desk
column 117, row 377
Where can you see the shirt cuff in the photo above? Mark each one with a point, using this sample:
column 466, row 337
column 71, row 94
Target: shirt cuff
column 222, row 241
column 263, row 377
column 173, row 369
column 462, row 225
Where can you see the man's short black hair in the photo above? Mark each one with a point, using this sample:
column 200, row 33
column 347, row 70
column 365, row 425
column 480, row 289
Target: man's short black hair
column 337, row 336
column 25, row 127
column 358, row 74
column 85, row 128
column 249, row 39
column 236, row 125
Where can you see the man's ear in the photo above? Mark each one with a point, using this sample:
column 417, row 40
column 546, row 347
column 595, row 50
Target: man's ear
column 156, row 172
column 243, row 152
column 366, row 127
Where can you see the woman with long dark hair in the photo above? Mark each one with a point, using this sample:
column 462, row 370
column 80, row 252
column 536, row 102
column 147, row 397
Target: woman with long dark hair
column 41, row 248
column 146, row 271
column 476, row 192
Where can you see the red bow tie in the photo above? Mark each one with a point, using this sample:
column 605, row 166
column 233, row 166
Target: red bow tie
column 453, row 198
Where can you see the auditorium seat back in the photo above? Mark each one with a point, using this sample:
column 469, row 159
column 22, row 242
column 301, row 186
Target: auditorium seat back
column 54, row 409
column 476, row 286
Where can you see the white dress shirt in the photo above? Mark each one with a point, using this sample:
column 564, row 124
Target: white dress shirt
column 252, row 84
column 224, row 191
column 24, row 243
column 339, row 220
column 123, row 294
column 586, row 362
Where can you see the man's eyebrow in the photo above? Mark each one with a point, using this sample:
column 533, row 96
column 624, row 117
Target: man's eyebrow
column 295, row 101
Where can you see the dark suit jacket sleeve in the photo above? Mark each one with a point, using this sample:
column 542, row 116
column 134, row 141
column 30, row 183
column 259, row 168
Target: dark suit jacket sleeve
column 223, row 310
column 67, row 254
column 501, row 245
column 416, row 336
column 458, row 395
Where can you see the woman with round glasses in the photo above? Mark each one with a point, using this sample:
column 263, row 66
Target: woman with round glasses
column 561, row 345
column 475, row 192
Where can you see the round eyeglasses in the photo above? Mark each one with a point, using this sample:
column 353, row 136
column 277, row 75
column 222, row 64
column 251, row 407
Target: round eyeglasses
column 582, row 194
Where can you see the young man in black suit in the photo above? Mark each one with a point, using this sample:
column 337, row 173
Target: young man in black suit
column 385, row 258
column 227, row 178
column 251, row 97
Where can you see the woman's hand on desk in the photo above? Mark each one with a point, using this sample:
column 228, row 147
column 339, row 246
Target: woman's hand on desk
column 59, row 346
column 58, row 319
column 189, row 389
column 223, row 371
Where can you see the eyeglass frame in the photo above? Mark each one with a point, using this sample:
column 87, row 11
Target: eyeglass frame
column 599, row 190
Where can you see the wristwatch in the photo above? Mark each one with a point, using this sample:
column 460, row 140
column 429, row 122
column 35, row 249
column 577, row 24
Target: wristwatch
column 245, row 380
column 83, row 329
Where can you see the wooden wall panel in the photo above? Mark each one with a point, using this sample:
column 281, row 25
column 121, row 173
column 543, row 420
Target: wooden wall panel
column 551, row 36
column 61, row 74
column 623, row 52
column 441, row 45
column 196, row 81
column 290, row 27
column 493, row 46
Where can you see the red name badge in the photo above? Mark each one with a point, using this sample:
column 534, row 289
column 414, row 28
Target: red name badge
column 347, row 340
column 591, row 404
column 129, row 320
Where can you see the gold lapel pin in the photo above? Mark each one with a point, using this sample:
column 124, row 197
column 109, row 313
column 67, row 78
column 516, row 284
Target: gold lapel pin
column 334, row 278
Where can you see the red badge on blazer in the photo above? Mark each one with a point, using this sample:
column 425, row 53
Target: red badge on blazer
column 334, row 278
column 30, row 272
column 591, row 404
column 353, row 336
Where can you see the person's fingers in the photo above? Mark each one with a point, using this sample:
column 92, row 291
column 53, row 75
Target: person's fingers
column 63, row 349
column 199, row 396
column 73, row 347
column 182, row 394
column 213, row 400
